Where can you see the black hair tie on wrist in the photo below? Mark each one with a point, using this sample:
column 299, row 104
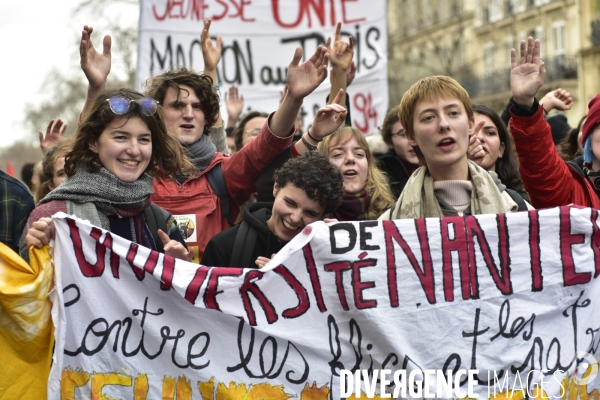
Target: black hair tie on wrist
column 311, row 136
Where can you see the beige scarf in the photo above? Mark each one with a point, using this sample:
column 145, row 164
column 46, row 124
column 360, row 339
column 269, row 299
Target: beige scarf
column 418, row 199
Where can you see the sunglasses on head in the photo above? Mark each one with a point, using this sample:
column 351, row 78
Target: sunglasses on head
column 120, row 105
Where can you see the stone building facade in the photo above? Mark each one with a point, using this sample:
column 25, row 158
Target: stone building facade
column 470, row 40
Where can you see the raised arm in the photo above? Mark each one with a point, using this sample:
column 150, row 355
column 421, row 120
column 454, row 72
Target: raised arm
column 527, row 74
column 559, row 99
column 211, row 53
column 95, row 66
column 302, row 80
column 327, row 120
column 234, row 103
column 55, row 132
column 547, row 178
column 340, row 56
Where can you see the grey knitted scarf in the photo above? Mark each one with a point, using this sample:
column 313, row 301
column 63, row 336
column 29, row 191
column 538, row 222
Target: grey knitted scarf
column 200, row 153
column 103, row 189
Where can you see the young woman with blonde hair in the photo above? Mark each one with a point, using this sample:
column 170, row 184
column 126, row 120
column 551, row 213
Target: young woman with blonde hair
column 366, row 191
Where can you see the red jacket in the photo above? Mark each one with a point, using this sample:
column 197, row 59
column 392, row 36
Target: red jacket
column 549, row 180
column 197, row 208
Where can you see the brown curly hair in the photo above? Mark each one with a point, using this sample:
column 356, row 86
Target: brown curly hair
column 317, row 176
column 202, row 85
column 167, row 154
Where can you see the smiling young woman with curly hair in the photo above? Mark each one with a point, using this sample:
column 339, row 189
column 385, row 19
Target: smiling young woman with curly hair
column 120, row 143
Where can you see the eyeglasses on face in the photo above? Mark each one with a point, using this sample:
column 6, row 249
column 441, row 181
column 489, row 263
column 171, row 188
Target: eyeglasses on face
column 120, row 105
column 400, row 133
column 253, row 132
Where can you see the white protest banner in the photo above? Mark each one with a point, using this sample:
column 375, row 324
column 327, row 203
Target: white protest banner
column 506, row 302
column 259, row 39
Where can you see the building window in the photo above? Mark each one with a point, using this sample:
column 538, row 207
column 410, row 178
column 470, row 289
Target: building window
column 518, row 6
column 479, row 17
column 444, row 10
column 410, row 9
column 540, row 34
column 457, row 7
column 488, row 58
column 426, row 13
column 558, row 35
column 495, row 10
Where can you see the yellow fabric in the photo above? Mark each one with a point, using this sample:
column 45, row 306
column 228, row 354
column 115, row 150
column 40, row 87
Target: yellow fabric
column 26, row 329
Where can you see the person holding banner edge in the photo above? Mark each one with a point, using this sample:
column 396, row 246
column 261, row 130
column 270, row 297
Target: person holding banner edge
column 191, row 197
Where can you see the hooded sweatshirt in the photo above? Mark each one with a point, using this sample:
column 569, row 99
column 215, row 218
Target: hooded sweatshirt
column 220, row 248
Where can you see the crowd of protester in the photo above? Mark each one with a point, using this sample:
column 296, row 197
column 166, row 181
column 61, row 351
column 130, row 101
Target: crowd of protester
column 138, row 161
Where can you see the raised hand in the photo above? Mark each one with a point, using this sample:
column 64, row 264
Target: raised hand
column 175, row 249
column 95, row 66
column 528, row 73
column 341, row 53
column 559, row 99
column 211, row 53
column 234, row 103
column 350, row 73
column 329, row 118
column 55, row 132
column 303, row 79
column 40, row 233
column 476, row 152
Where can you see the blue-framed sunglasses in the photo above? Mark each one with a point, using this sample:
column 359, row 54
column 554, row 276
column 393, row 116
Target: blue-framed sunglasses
column 120, row 105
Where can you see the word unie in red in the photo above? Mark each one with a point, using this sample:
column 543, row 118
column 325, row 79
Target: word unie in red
column 197, row 10
column 319, row 7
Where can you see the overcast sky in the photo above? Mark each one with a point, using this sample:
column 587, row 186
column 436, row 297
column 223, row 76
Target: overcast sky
column 36, row 35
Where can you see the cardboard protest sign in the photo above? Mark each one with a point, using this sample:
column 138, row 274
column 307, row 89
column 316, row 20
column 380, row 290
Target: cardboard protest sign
column 259, row 39
column 503, row 302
